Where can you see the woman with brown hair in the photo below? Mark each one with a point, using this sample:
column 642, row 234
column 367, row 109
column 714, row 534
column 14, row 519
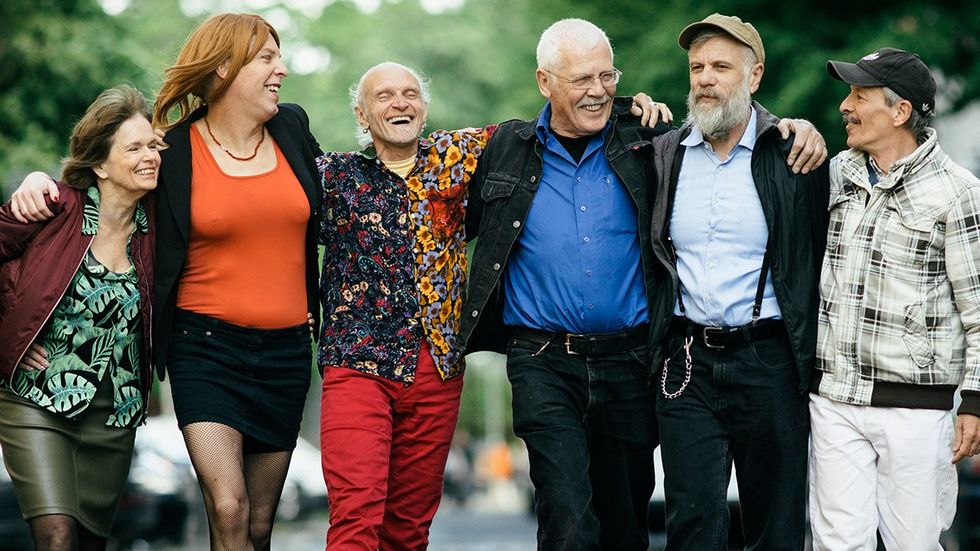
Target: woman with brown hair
column 236, row 268
column 236, row 272
column 75, row 308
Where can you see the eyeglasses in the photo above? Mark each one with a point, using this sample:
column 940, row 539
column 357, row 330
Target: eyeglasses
column 584, row 82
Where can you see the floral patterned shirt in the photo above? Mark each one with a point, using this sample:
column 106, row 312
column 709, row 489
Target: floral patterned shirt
column 394, row 265
column 94, row 332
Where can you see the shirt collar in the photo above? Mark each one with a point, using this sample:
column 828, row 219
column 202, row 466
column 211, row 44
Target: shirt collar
column 370, row 152
column 90, row 214
column 696, row 138
column 543, row 125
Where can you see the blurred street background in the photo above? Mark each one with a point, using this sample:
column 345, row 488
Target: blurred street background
column 57, row 55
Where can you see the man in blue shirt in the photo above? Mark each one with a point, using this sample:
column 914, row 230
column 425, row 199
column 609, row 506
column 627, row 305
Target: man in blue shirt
column 740, row 239
column 559, row 265
column 561, row 279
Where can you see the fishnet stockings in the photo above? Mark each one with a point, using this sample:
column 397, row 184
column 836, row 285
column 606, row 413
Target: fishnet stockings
column 241, row 491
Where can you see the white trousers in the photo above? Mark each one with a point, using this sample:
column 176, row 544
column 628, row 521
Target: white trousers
column 880, row 468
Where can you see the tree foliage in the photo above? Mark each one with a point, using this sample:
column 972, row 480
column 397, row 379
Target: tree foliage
column 56, row 55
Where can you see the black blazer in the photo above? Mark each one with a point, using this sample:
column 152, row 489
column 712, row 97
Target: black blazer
column 290, row 127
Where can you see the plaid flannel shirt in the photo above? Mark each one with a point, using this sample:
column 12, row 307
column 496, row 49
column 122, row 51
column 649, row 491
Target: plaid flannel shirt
column 899, row 315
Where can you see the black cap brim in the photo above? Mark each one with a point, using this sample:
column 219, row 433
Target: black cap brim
column 851, row 74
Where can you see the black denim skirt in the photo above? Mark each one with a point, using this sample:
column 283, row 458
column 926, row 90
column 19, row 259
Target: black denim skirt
column 252, row 380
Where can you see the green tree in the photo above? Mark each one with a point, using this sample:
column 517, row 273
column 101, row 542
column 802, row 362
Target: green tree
column 55, row 58
column 799, row 38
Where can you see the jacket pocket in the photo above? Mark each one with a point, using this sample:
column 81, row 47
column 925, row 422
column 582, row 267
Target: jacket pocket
column 916, row 336
column 498, row 186
column 907, row 237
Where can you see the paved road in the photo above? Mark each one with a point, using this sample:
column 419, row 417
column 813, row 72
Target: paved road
column 452, row 530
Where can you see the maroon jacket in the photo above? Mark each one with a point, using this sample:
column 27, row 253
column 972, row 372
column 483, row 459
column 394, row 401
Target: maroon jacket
column 37, row 263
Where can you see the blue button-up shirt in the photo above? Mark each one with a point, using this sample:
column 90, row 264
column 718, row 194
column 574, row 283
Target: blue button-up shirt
column 719, row 232
column 576, row 266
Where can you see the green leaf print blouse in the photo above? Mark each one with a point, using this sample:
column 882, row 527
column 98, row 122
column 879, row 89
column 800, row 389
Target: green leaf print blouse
column 94, row 332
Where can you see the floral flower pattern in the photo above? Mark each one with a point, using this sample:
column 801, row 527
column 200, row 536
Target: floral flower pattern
column 394, row 264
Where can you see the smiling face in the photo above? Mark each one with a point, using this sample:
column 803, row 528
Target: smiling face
column 574, row 112
column 133, row 162
column 868, row 119
column 256, row 87
column 392, row 109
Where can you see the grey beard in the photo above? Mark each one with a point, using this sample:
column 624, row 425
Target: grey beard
column 717, row 122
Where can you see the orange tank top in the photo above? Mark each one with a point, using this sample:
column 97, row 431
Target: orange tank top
column 246, row 260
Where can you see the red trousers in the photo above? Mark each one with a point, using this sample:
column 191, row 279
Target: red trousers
column 384, row 455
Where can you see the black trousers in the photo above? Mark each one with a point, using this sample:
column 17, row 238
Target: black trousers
column 742, row 406
column 589, row 425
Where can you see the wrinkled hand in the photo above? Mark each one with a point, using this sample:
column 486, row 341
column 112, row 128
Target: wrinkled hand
column 967, row 440
column 27, row 203
column 35, row 359
column 649, row 111
column 809, row 150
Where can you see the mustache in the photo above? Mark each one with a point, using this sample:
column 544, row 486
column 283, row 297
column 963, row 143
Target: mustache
column 592, row 101
column 848, row 119
column 703, row 93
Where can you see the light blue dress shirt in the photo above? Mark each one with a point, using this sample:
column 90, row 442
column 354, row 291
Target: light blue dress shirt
column 576, row 265
column 719, row 233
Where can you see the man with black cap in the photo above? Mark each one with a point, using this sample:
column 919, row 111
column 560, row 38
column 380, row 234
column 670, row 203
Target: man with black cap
column 899, row 319
column 739, row 239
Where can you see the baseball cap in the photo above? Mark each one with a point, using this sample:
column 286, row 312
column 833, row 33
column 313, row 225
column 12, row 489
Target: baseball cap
column 899, row 70
column 738, row 29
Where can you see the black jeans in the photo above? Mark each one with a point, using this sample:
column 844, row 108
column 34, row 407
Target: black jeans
column 742, row 406
column 589, row 425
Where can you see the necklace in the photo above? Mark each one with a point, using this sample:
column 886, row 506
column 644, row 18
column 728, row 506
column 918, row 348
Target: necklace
column 226, row 150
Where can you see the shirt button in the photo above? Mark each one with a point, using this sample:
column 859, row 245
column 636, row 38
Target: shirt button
column 588, row 273
column 517, row 223
column 534, row 179
column 586, row 240
column 579, row 179
column 207, row 333
column 475, row 313
column 496, row 266
column 582, row 208
column 591, row 307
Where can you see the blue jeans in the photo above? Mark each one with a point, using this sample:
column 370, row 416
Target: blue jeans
column 589, row 425
column 742, row 406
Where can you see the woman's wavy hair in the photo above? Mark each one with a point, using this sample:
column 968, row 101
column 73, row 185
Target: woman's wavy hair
column 93, row 135
column 192, row 81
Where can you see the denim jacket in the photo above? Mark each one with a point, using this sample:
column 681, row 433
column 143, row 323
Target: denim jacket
column 501, row 193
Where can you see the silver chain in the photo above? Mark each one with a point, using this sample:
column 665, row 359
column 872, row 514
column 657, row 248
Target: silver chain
column 687, row 372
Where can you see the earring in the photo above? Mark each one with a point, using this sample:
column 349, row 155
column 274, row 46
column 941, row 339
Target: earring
column 364, row 129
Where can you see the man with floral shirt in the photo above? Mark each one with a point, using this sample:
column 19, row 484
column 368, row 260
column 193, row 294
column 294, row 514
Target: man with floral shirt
column 899, row 319
column 393, row 277
column 394, row 272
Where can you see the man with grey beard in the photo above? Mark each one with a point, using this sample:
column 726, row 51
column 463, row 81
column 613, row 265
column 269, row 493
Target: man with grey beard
column 739, row 240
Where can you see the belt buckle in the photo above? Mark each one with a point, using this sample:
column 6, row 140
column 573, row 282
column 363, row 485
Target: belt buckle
column 568, row 344
column 705, row 337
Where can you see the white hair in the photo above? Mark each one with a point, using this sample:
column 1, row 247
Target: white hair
column 356, row 93
column 916, row 123
column 564, row 33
